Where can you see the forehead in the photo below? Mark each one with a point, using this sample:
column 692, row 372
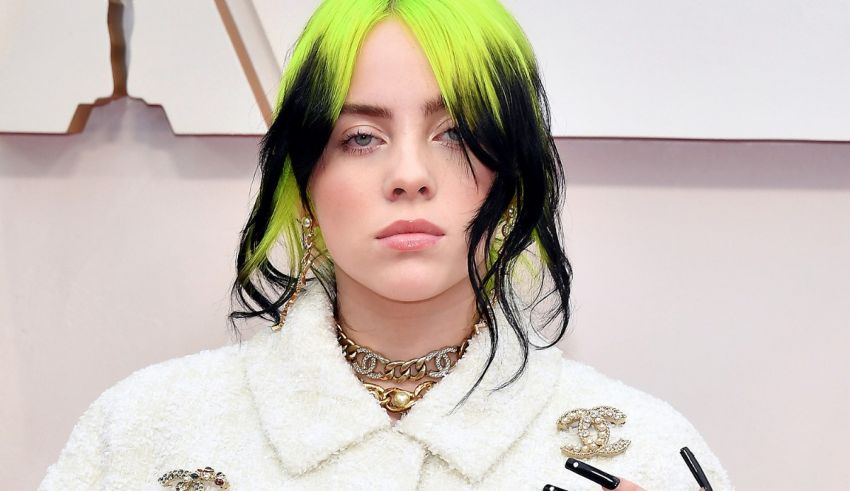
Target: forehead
column 392, row 71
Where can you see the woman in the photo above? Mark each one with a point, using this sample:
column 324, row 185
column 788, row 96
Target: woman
column 411, row 169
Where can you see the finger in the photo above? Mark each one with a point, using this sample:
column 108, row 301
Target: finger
column 591, row 473
column 626, row 485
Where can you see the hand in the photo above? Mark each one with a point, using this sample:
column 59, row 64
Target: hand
column 630, row 486
column 623, row 486
column 607, row 481
column 627, row 486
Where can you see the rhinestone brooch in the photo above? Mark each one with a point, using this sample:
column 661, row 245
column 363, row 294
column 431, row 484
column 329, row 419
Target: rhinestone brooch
column 184, row 480
column 592, row 426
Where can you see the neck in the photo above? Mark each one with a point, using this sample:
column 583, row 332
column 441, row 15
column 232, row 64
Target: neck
column 404, row 330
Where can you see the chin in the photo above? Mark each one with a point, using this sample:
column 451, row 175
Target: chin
column 405, row 285
column 407, row 291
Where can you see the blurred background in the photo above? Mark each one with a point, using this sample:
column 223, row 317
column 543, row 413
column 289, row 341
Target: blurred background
column 707, row 209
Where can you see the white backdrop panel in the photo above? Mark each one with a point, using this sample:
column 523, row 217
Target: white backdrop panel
column 771, row 70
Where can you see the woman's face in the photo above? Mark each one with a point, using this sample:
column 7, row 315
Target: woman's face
column 395, row 165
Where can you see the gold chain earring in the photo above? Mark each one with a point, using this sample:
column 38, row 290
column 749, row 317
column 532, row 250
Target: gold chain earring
column 508, row 224
column 307, row 234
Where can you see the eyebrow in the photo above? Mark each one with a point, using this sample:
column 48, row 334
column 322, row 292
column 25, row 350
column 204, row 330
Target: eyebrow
column 429, row 108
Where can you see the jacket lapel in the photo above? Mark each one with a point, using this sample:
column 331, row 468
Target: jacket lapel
column 473, row 437
column 310, row 402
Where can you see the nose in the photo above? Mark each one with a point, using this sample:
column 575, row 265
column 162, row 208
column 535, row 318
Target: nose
column 409, row 176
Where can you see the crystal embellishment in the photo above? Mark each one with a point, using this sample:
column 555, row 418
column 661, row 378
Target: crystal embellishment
column 183, row 480
column 594, row 432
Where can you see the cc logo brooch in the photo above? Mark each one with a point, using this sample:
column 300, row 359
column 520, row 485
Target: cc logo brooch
column 184, row 480
column 592, row 427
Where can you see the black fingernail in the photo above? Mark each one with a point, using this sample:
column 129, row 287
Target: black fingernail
column 586, row 471
column 696, row 470
column 552, row 487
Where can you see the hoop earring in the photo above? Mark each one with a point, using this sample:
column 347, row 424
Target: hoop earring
column 307, row 234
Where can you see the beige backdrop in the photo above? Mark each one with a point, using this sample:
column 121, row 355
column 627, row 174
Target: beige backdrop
column 712, row 274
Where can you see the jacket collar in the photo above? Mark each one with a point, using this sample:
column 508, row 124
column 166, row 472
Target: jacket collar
column 311, row 405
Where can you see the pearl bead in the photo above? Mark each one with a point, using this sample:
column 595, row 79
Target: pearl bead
column 400, row 399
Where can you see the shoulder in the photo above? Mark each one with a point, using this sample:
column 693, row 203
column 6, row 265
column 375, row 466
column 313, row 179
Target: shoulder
column 585, row 384
column 145, row 413
column 176, row 378
column 179, row 389
column 654, row 429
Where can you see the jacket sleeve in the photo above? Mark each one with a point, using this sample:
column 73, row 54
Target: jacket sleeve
column 83, row 461
column 664, row 467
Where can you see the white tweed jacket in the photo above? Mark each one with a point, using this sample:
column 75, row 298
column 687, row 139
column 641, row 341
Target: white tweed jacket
column 285, row 411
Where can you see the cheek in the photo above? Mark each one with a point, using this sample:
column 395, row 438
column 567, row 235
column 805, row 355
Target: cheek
column 339, row 200
column 473, row 194
column 485, row 181
column 476, row 196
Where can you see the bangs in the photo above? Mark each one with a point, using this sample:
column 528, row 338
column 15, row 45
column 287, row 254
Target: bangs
column 479, row 55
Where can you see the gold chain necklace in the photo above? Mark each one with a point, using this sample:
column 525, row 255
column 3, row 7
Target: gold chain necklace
column 396, row 399
column 378, row 367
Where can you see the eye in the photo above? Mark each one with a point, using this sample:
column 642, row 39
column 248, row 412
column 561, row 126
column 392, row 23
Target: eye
column 358, row 142
column 454, row 132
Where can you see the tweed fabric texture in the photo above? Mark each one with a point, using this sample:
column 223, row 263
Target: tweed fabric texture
column 285, row 411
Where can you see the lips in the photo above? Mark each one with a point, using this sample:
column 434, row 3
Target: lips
column 418, row 226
